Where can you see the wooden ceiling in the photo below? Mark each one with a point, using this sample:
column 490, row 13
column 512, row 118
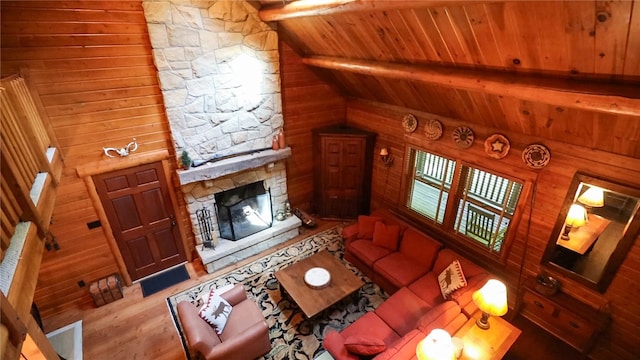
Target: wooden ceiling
column 561, row 70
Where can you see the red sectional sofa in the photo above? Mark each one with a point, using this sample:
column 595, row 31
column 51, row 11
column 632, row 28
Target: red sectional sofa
column 406, row 263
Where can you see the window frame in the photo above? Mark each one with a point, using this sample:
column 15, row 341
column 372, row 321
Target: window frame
column 447, row 227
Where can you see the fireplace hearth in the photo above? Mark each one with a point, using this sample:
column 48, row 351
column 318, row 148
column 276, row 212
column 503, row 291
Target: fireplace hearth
column 243, row 211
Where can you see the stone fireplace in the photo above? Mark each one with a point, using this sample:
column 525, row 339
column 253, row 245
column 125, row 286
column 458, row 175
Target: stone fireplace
column 218, row 68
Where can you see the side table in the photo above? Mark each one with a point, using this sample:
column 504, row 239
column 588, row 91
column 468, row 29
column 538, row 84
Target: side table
column 490, row 344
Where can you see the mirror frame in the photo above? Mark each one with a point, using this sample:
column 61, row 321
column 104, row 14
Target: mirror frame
column 624, row 245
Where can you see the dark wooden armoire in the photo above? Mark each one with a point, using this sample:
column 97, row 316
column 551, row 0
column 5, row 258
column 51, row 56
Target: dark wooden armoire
column 343, row 163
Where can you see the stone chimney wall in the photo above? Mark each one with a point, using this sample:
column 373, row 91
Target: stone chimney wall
column 218, row 67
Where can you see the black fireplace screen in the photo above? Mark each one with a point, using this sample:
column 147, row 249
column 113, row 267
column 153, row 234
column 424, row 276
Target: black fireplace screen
column 243, row 211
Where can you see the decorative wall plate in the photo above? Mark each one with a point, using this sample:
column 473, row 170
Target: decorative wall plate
column 463, row 137
column 536, row 156
column 409, row 123
column 433, row 130
column 497, row 146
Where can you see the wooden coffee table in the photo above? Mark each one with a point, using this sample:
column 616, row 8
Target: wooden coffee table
column 312, row 301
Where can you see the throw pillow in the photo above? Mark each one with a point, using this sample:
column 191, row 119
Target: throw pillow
column 215, row 311
column 366, row 225
column 451, row 279
column 364, row 345
column 386, row 236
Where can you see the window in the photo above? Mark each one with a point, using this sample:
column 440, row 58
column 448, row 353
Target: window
column 482, row 204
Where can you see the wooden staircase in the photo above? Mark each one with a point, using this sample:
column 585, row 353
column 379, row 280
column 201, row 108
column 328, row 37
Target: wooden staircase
column 31, row 166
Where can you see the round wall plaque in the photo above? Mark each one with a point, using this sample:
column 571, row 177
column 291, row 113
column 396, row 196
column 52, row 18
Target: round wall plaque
column 409, row 123
column 497, row 146
column 463, row 137
column 536, row 156
column 433, row 130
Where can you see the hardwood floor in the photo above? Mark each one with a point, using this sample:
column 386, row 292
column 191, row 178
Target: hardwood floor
column 140, row 328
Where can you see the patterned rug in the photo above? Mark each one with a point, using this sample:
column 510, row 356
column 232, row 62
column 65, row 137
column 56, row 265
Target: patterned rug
column 292, row 335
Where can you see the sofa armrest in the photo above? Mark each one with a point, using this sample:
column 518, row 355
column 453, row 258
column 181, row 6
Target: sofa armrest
column 334, row 343
column 235, row 295
column 200, row 335
column 464, row 296
column 241, row 346
column 350, row 233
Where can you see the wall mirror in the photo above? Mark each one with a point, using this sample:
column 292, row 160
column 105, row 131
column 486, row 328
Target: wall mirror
column 597, row 226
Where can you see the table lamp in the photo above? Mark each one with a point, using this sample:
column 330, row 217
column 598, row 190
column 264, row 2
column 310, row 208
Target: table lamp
column 593, row 197
column 576, row 217
column 491, row 299
column 436, row 346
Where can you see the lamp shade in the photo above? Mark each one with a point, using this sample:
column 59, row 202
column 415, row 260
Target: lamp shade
column 577, row 216
column 436, row 346
column 593, row 197
column 492, row 298
column 384, row 152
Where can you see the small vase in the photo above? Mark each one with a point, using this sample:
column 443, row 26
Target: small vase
column 274, row 144
column 281, row 142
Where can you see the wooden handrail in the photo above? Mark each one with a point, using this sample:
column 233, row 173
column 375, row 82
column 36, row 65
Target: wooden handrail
column 30, row 169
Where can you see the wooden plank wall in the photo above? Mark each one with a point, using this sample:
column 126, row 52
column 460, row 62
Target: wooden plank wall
column 308, row 103
column 622, row 339
column 91, row 63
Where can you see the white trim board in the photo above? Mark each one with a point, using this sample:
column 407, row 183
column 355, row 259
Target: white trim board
column 67, row 341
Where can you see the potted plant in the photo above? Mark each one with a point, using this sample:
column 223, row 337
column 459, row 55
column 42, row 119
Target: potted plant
column 185, row 160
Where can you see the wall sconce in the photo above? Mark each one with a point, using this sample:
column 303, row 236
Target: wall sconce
column 131, row 147
column 576, row 217
column 491, row 299
column 386, row 158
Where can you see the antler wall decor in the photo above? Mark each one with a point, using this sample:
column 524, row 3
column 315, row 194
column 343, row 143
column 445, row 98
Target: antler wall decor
column 131, row 147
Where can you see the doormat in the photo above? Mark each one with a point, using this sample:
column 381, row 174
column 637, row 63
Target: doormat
column 164, row 280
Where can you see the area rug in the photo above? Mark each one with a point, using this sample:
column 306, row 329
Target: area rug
column 165, row 279
column 292, row 335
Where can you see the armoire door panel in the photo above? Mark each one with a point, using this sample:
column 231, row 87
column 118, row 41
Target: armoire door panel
column 343, row 171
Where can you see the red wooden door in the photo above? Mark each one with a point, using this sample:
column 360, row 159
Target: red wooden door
column 140, row 212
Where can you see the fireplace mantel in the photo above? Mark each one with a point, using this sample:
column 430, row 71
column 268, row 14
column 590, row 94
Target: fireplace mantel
column 233, row 165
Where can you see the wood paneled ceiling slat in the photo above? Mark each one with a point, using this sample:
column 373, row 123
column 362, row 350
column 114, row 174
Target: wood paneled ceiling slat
column 632, row 59
column 580, row 44
column 561, row 70
column 612, row 20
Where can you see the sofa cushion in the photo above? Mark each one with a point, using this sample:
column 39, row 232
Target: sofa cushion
column 439, row 316
column 386, row 236
column 419, row 247
column 399, row 269
column 404, row 348
column 364, row 345
column 215, row 311
column 370, row 324
column 366, row 225
column 402, row 311
column 451, row 279
column 367, row 252
column 426, row 288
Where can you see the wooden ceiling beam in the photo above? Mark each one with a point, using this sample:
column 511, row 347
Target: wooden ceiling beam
column 302, row 8
column 586, row 95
